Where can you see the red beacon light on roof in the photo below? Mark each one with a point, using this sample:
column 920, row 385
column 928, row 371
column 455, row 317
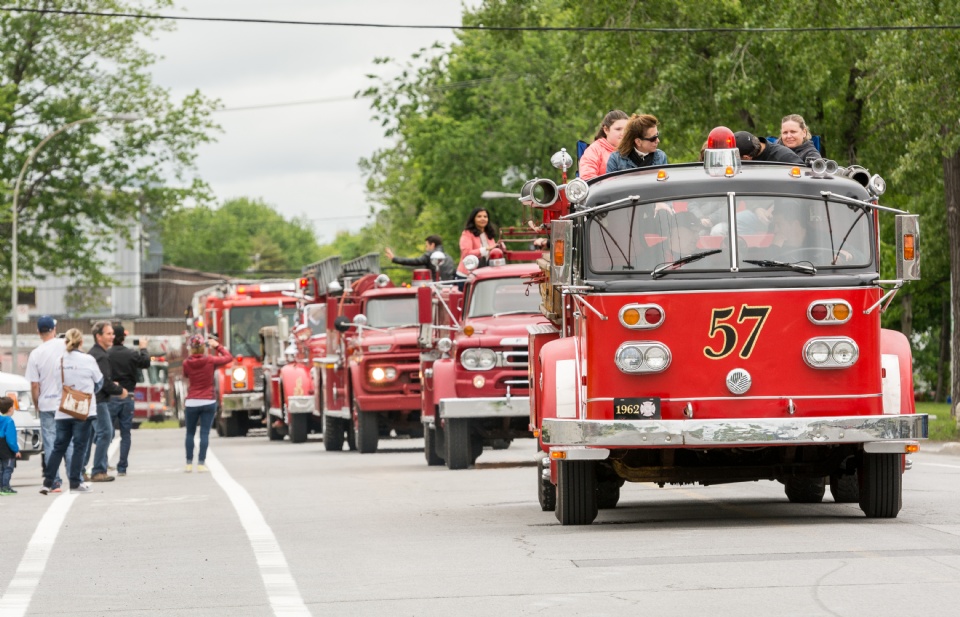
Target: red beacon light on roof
column 421, row 277
column 496, row 258
column 721, row 158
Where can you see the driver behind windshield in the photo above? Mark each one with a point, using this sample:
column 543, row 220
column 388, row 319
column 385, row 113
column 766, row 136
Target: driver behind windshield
column 789, row 228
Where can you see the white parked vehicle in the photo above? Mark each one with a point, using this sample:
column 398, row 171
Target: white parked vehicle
column 26, row 416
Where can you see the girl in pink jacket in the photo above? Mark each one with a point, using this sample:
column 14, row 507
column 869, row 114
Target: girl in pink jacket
column 478, row 237
column 593, row 163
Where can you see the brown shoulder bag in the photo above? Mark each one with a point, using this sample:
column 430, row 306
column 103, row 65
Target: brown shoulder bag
column 73, row 402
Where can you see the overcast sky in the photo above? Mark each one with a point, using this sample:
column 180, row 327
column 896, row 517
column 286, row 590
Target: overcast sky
column 300, row 159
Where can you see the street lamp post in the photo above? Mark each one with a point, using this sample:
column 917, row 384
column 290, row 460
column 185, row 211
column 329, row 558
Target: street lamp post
column 15, row 296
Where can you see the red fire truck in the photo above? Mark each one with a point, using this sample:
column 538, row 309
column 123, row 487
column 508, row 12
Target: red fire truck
column 474, row 365
column 684, row 350
column 235, row 313
column 150, row 397
column 371, row 377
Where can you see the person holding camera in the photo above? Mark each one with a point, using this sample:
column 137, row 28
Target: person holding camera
column 125, row 364
column 201, row 404
column 103, row 427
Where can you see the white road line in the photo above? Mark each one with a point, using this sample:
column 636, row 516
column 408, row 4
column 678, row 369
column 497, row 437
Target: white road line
column 16, row 600
column 281, row 588
column 938, row 465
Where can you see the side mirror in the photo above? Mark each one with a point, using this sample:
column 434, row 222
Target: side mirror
column 342, row 323
column 907, row 228
column 283, row 327
column 561, row 253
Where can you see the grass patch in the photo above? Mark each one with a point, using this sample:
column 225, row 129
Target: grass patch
column 942, row 426
column 176, row 424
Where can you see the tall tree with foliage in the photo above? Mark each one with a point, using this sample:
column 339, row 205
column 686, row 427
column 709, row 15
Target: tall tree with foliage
column 88, row 186
column 243, row 236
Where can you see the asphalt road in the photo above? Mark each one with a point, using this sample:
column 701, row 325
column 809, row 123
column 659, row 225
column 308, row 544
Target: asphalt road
column 289, row 529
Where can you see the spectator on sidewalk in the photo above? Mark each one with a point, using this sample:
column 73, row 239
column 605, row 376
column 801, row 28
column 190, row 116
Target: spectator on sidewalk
column 43, row 373
column 9, row 448
column 125, row 364
column 103, row 425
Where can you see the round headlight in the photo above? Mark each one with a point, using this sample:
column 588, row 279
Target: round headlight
column 470, row 359
column 487, row 358
column 577, row 191
column 818, row 352
column 444, row 344
column 239, row 374
column 844, row 353
column 656, row 358
column 470, row 262
column 360, row 319
column 378, row 374
column 629, row 359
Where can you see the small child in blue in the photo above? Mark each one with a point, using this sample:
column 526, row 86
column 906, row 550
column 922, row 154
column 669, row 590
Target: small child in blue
column 9, row 449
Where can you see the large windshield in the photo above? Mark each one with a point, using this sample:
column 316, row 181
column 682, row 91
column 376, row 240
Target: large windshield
column 650, row 237
column 243, row 339
column 505, row 296
column 391, row 312
column 316, row 315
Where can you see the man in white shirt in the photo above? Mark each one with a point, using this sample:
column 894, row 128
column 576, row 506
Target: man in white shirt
column 43, row 373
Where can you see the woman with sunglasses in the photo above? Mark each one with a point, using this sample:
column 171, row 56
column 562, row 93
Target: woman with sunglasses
column 638, row 146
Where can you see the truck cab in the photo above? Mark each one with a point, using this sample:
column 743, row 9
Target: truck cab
column 747, row 346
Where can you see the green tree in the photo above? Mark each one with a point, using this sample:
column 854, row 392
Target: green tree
column 87, row 185
column 241, row 236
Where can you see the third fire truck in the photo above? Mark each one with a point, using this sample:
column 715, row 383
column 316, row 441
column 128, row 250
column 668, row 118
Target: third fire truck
column 685, row 351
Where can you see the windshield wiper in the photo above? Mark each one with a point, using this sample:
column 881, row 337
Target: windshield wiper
column 772, row 263
column 661, row 270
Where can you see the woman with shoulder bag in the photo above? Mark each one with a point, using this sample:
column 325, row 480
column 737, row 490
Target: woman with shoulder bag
column 201, row 404
column 79, row 371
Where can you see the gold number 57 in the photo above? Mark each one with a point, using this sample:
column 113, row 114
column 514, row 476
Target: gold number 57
column 728, row 334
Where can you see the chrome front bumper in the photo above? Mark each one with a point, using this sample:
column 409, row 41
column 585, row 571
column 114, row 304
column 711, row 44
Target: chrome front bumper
column 30, row 441
column 300, row 404
column 513, row 407
column 743, row 432
column 242, row 401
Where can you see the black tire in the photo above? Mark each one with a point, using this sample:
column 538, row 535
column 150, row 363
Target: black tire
column 804, row 490
column 417, row 431
column 299, row 427
column 459, row 449
column 243, row 426
column 500, row 444
column 229, row 427
column 576, row 492
column 366, row 425
column 608, row 494
column 546, row 491
column 273, row 434
column 351, row 437
column 845, row 488
column 430, row 451
column 881, row 485
column 333, row 434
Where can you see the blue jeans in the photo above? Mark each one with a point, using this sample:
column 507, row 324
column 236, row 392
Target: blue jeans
column 121, row 411
column 102, row 436
column 204, row 414
column 69, row 431
column 6, row 471
column 48, row 431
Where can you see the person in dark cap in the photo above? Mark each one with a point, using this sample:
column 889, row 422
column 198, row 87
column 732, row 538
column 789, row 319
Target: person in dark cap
column 754, row 149
column 684, row 234
column 43, row 373
column 126, row 364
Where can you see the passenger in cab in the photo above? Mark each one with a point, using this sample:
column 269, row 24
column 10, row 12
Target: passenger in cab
column 789, row 225
column 754, row 149
column 593, row 163
column 478, row 237
column 795, row 135
column 684, row 235
column 638, row 146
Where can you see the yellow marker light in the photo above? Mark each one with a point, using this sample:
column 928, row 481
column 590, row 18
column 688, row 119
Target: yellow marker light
column 662, row 175
column 794, row 172
column 558, row 456
column 841, row 312
column 536, row 432
column 728, row 172
column 468, row 330
column 558, row 253
column 911, row 448
column 631, row 317
column 909, row 247
column 241, row 289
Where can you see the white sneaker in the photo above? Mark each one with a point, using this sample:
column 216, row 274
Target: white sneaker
column 83, row 488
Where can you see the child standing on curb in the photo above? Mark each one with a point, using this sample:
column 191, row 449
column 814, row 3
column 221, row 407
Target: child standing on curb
column 9, row 449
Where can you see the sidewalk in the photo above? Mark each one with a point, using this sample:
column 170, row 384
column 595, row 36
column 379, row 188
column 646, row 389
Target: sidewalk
column 941, row 447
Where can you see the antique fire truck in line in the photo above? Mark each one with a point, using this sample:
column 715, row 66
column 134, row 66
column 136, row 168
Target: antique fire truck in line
column 371, row 377
column 684, row 350
column 234, row 313
column 292, row 353
column 474, row 361
column 151, row 401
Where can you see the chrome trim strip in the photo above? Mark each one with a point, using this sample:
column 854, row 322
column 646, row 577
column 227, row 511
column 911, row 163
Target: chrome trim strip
column 299, row 404
column 601, row 399
column 242, row 401
column 743, row 432
column 513, row 407
column 343, row 414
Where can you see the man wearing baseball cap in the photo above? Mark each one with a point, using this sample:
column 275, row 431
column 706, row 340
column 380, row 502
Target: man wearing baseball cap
column 753, row 148
column 43, row 373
